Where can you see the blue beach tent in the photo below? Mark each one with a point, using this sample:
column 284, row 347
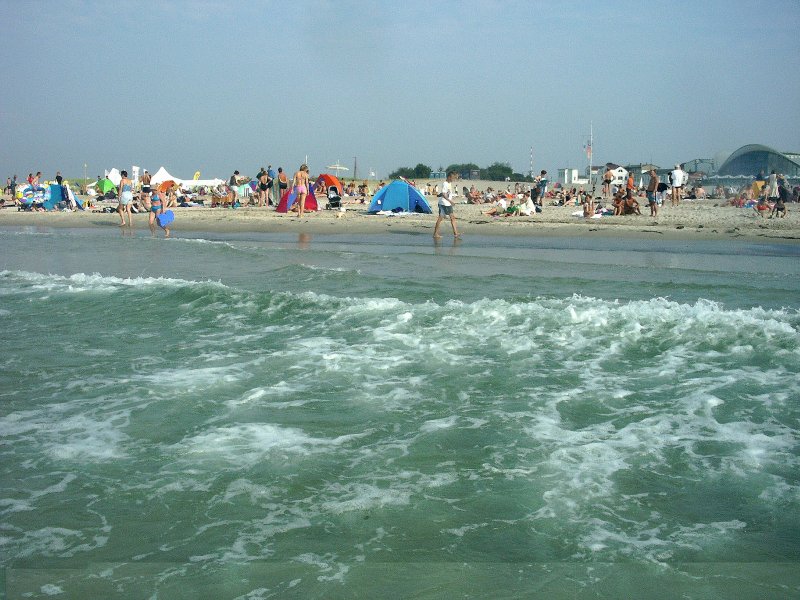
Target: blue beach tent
column 53, row 196
column 399, row 195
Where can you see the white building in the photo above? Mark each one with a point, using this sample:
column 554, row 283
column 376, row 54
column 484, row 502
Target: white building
column 571, row 177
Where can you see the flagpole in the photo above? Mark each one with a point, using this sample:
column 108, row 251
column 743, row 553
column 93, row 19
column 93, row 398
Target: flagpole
column 531, row 162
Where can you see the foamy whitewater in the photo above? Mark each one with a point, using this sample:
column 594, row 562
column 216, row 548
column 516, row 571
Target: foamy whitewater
column 277, row 416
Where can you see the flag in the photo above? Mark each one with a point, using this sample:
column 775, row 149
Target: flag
column 588, row 148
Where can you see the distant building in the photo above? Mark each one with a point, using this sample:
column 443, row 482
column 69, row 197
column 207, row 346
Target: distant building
column 570, row 177
column 620, row 174
column 701, row 166
column 753, row 159
column 639, row 171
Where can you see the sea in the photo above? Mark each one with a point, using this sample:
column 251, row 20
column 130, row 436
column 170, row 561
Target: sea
column 249, row 416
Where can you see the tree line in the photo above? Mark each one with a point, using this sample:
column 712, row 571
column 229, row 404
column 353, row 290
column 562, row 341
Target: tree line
column 495, row 172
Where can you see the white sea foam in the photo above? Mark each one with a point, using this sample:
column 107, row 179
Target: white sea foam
column 249, row 443
column 331, row 569
column 51, row 589
column 69, row 437
column 438, row 424
column 53, row 541
column 83, row 282
column 191, row 379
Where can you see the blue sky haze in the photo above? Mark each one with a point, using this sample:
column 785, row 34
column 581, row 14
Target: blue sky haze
column 222, row 85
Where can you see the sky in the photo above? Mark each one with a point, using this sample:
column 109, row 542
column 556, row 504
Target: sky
column 218, row 85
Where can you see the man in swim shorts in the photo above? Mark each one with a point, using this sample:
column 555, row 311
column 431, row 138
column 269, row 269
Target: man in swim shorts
column 652, row 188
column 678, row 180
column 446, row 206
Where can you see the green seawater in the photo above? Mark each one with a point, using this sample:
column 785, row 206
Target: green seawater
column 282, row 416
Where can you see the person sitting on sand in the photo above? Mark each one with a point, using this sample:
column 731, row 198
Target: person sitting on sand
column 631, row 205
column 172, row 198
column 527, row 207
column 498, row 208
column 587, row 202
column 619, row 202
column 512, row 210
column 761, row 206
column 474, row 196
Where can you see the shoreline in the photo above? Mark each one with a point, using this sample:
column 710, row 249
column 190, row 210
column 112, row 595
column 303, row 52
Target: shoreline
column 692, row 220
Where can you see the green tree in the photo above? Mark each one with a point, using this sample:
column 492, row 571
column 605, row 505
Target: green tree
column 422, row 171
column 497, row 172
column 406, row 172
column 463, row 169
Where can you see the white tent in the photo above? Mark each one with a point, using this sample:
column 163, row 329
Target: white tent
column 161, row 176
column 195, row 183
column 114, row 176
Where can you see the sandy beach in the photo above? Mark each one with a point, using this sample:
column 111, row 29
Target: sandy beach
column 693, row 219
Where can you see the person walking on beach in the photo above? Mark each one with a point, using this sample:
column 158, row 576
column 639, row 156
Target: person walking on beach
column 652, row 188
column 125, row 195
column 446, row 207
column 300, row 187
column 677, row 181
column 157, row 207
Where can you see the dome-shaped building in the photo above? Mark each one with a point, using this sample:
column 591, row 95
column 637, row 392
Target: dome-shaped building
column 753, row 159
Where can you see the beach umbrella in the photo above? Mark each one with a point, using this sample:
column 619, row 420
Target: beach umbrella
column 165, row 185
column 337, row 167
column 105, row 185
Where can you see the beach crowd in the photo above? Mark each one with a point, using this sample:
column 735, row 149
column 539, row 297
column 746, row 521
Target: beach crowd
column 767, row 195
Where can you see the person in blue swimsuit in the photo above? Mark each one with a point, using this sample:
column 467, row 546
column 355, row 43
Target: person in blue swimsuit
column 157, row 205
column 125, row 195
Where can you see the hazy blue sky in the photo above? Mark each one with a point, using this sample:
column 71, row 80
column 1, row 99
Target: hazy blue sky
column 223, row 85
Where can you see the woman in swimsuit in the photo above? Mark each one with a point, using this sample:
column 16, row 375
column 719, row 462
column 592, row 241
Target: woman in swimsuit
column 262, row 187
column 283, row 183
column 156, row 208
column 300, row 186
column 125, row 195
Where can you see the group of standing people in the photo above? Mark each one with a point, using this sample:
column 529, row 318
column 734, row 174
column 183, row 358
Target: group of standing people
column 153, row 200
column 265, row 186
column 267, row 181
